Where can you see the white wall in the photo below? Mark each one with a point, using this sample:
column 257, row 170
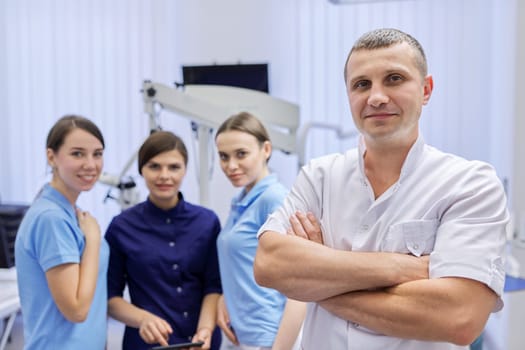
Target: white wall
column 519, row 125
column 91, row 56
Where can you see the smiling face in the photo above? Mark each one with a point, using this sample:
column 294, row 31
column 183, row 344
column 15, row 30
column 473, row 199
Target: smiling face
column 386, row 92
column 163, row 175
column 77, row 164
column 243, row 158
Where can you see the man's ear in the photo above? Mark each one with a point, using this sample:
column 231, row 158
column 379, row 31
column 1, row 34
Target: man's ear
column 427, row 88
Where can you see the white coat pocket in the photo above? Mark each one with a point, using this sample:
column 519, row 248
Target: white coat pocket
column 415, row 237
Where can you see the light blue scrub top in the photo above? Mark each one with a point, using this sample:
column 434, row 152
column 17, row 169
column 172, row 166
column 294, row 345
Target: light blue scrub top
column 255, row 312
column 49, row 236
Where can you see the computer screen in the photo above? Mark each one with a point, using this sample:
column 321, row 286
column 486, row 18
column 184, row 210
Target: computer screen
column 249, row 76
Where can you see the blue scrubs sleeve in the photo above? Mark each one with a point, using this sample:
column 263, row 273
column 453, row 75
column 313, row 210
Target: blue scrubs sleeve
column 59, row 242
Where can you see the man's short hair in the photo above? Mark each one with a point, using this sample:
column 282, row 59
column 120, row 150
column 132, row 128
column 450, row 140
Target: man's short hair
column 385, row 37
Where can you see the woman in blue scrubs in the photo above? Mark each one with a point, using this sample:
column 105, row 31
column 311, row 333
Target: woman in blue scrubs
column 61, row 259
column 251, row 316
column 164, row 250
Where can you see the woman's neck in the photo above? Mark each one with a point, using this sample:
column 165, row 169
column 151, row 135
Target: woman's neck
column 71, row 196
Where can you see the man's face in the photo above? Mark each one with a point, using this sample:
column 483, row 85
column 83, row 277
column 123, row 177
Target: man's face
column 386, row 92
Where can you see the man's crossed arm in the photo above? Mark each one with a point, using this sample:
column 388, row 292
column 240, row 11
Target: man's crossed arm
column 389, row 293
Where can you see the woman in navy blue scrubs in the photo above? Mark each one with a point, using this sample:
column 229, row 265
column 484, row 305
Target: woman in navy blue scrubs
column 164, row 250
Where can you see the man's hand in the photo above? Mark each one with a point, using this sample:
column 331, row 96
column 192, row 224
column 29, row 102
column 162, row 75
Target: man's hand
column 408, row 266
column 305, row 226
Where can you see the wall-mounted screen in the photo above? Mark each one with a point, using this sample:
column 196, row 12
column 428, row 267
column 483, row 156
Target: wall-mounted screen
column 249, row 76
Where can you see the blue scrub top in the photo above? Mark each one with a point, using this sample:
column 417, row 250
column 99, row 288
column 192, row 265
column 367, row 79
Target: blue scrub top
column 255, row 312
column 49, row 236
column 168, row 260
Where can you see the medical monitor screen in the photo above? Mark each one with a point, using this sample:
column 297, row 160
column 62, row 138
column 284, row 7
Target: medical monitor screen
column 249, row 76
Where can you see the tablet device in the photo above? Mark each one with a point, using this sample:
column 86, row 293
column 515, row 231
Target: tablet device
column 179, row 346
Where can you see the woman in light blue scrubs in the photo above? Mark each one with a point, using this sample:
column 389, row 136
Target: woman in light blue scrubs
column 251, row 316
column 61, row 258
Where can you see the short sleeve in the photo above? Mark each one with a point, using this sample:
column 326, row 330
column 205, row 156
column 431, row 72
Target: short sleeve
column 117, row 262
column 470, row 241
column 304, row 196
column 56, row 240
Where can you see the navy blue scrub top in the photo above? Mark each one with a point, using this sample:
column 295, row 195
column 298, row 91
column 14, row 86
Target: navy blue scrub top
column 168, row 259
